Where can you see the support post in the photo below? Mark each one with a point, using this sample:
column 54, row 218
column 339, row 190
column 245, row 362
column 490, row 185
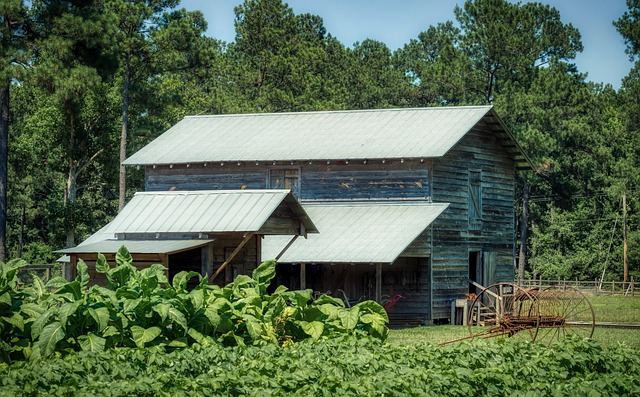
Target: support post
column 379, row 283
column 232, row 256
column 303, row 276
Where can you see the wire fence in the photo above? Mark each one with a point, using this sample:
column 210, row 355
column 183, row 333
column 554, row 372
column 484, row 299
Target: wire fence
column 595, row 287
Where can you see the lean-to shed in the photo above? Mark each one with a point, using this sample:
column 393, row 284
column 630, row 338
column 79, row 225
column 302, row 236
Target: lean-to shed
column 215, row 233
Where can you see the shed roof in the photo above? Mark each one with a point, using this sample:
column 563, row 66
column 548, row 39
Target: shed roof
column 335, row 135
column 112, row 246
column 364, row 232
column 206, row 211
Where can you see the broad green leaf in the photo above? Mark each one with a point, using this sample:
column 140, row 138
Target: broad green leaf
column 83, row 275
column 5, row 299
column 373, row 307
column 123, row 257
column 322, row 299
column 92, row 342
column 32, row 310
column 49, row 338
column 16, row 320
column 101, row 264
column 56, row 283
column 314, row 328
column 110, row 331
column 330, row 310
column 349, row 317
column 70, row 291
column 179, row 343
column 197, row 299
column 299, row 298
column 280, row 289
column 67, row 310
column 254, row 327
column 177, row 317
column 181, row 279
column 197, row 336
column 39, row 323
column 142, row 336
column 38, row 286
column 162, row 309
column 101, row 316
column 213, row 316
column 264, row 273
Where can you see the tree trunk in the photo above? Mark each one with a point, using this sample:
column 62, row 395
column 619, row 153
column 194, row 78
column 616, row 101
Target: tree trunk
column 625, row 260
column 4, row 163
column 522, row 259
column 122, row 185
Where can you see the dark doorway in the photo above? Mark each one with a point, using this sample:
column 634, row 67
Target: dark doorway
column 475, row 271
column 190, row 261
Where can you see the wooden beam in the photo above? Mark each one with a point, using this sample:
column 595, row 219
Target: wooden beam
column 293, row 239
column 379, row 283
column 232, row 256
column 303, row 276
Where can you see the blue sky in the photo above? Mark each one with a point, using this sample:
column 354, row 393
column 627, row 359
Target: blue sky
column 395, row 22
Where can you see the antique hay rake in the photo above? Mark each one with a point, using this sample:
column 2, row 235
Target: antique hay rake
column 542, row 315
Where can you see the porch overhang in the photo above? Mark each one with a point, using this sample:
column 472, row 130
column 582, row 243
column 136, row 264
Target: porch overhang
column 356, row 232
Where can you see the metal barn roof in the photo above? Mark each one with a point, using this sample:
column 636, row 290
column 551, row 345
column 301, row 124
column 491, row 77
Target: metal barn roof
column 356, row 232
column 216, row 211
column 304, row 136
column 136, row 246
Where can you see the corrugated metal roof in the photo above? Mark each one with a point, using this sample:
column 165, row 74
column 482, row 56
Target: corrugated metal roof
column 215, row 211
column 358, row 134
column 136, row 246
column 356, row 232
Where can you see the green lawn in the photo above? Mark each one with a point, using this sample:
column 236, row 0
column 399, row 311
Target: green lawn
column 619, row 309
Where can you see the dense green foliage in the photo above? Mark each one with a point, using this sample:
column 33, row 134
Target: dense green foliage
column 344, row 366
column 141, row 309
column 73, row 111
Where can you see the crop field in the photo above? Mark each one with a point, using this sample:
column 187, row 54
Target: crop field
column 141, row 336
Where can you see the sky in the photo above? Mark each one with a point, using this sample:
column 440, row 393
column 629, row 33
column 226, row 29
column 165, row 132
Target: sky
column 395, row 22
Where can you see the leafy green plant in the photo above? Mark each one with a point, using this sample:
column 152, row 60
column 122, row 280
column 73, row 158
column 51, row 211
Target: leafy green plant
column 142, row 309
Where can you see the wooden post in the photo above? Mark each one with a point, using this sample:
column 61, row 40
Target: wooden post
column 303, row 276
column 453, row 312
column 232, row 256
column 465, row 313
column 379, row 282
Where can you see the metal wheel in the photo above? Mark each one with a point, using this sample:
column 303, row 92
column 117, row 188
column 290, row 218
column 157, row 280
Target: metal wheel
column 504, row 309
column 564, row 311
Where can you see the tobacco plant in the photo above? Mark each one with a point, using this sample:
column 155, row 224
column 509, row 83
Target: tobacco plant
column 142, row 309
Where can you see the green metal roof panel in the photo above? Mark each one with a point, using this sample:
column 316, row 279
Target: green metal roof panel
column 354, row 134
column 362, row 232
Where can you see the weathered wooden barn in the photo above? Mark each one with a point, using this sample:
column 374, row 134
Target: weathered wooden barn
column 406, row 201
column 411, row 202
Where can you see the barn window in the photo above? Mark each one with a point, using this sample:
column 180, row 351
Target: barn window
column 284, row 178
column 475, row 200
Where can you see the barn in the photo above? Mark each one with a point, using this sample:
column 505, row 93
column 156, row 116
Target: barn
column 407, row 202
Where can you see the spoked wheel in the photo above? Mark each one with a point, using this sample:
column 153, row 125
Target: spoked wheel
column 504, row 309
column 564, row 311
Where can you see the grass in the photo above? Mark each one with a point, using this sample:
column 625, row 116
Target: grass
column 619, row 309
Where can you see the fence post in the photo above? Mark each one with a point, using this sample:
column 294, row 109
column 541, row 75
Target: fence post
column 613, row 288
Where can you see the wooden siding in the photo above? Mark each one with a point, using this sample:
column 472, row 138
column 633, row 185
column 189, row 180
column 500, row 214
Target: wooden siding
column 394, row 179
column 453, row 239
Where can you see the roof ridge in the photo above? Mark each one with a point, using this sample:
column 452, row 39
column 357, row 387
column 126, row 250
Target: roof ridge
column 307, row 112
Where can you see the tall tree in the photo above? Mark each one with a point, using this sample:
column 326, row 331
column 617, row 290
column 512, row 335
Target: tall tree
column 150, row 39
column 509, row 42
column 13, row 40
column 73, row 61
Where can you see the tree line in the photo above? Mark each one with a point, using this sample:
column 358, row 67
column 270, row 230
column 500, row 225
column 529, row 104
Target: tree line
column 84, row 83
